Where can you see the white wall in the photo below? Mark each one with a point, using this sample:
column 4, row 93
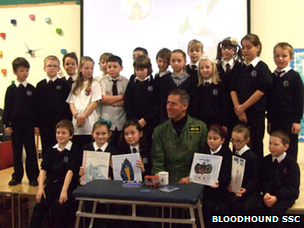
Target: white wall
column 38, row 34
column 278, row 21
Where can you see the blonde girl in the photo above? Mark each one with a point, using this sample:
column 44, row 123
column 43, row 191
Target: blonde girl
column 212, row 95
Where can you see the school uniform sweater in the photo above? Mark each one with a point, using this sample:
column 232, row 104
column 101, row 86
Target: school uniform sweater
column 247, row 79
column 281, row 180
column 141, row 101
column 51, row 102
column 57, row 163
column 69, row 82
column 193, row 73
column 20, row 105
column 285, row 98
column 213, row 104
column 226, row 78
column 167, row 85
column 224, row 177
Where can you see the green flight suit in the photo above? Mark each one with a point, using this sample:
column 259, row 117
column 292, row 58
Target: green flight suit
column 174, row 154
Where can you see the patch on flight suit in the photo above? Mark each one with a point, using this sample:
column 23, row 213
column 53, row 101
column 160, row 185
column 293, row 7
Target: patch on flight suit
column 195, row 129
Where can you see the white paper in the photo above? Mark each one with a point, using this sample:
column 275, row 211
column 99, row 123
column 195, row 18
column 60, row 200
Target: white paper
column 124, row 167
column 237, row 173
column 205, row 169
column 96, row 166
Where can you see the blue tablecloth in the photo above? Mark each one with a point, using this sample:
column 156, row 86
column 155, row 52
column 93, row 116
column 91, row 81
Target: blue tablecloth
column 109, row 189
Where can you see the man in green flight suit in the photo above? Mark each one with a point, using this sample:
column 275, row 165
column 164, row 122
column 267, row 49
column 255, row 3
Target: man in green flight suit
column 176, row 140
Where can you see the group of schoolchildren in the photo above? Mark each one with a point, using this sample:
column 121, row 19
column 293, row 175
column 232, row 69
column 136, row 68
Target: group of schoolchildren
column 230, row 94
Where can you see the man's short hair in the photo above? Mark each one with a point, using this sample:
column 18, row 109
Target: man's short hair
column 183, row 95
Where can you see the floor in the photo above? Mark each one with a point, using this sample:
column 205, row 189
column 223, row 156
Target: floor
column 27, row 205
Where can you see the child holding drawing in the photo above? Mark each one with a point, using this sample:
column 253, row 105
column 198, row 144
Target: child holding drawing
column 244, row 200
column 215, row 198
column 101, row 134
column 132, row 141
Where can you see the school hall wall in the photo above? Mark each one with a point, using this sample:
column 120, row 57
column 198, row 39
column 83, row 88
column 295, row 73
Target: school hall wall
column 272, row 20
column 278, row 21
column 37, row 34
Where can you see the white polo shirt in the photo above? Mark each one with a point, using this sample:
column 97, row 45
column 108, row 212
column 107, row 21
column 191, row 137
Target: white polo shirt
column 82, row 102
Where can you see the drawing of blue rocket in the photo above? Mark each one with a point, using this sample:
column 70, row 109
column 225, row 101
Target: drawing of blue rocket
column 127, row 172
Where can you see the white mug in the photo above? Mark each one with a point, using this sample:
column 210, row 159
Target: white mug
column 163, row 178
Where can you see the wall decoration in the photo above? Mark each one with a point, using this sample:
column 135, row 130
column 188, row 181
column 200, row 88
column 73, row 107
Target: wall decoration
column 47, row 20
column 14, row 21
column 31, row 51
column 58, row 30
column 32, row 16
column 36, row 34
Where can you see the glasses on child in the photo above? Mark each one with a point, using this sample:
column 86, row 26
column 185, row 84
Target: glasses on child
column 52, row 66
column 236, row 141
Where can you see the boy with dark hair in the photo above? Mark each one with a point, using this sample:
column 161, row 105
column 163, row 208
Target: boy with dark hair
column 139, row 51
column 52, row 107
column 70, row 64
column 113, row 87
column 285, row 98
column 141, row 97
column 19, row 120
column 61, row 166
column 281, row 176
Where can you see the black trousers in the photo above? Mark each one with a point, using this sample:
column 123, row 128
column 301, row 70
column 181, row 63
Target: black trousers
column 64, row 213
column 23, row 135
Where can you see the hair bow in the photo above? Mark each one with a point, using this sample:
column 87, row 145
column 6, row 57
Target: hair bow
column 103, row 121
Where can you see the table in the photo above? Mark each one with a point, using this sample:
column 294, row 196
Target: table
column 23, row 189
column 112, row 192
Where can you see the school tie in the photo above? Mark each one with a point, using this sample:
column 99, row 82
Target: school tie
column 228, row 69
column 50, row 82
column 206, row 84
column 114, row 88
column 70, row 79
column 99, row 150
column 279, row 73
column 275, row 162
column 194, row 67
column 21, row 86
column 134, row 150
